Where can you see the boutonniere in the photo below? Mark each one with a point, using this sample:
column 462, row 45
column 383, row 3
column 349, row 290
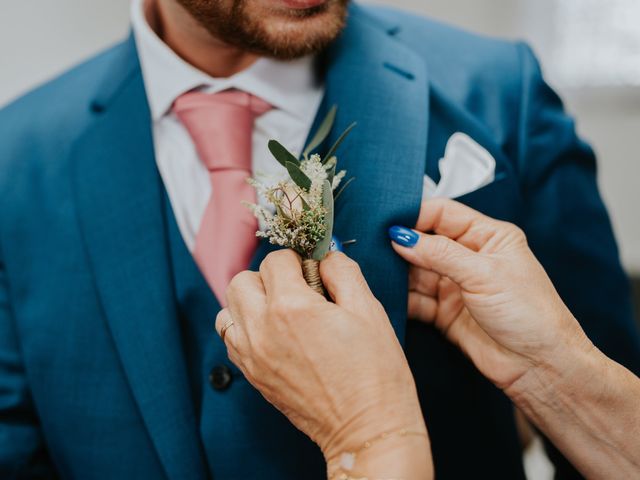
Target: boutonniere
column 304, row 202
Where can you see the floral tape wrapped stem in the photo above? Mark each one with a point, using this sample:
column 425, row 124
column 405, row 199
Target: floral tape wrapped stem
column 311, row 272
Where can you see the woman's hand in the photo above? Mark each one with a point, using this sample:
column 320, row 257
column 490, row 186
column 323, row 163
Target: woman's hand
column 477, row 280
column 336, row 370
column 479, row 283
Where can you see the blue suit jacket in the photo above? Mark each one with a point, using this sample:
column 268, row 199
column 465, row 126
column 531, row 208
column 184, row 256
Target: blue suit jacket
column 93, row 380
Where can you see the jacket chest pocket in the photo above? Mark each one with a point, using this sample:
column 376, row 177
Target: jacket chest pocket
column 502, row 199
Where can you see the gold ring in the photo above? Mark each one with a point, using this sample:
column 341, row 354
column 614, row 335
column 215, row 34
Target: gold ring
column 225, row 327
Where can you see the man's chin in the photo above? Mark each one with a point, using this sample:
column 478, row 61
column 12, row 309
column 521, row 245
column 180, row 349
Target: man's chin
column 282, row 29
column 295, row 32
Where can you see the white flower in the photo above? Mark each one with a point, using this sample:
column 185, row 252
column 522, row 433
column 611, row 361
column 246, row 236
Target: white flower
column 337, row 179
column 260, row 212
column 317, row 173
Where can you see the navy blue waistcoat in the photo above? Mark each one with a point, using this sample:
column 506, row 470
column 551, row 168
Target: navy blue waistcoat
column 224, row 401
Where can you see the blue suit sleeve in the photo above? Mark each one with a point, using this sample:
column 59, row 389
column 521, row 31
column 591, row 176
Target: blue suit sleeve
column 567, row 223
column 22, row 451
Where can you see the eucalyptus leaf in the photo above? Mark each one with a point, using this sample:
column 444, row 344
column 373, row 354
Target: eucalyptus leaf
column 281, row 154
column 335, row 146
column 323, row 131
column 324, row 245
column 298, row 176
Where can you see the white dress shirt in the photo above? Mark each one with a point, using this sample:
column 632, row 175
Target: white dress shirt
column 291, row 87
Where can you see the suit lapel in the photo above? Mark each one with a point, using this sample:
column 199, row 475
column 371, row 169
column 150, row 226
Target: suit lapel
column 119, row 199
column 383, row 85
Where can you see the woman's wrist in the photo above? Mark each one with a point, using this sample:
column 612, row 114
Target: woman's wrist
column 551, row 384
column 367, row 423
column 553, row 371
column 393, row 455
column 382, row 438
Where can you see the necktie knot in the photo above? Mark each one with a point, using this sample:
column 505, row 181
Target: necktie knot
column 221, row 126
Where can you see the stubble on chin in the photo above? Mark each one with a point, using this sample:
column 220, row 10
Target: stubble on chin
column 276, row 33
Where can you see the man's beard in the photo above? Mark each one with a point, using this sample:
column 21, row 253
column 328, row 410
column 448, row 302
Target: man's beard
column 281, row 34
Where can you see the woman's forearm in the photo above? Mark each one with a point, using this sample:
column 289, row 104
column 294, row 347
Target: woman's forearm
column 589, row 407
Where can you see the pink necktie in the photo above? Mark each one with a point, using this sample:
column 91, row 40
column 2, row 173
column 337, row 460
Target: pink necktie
column 221, row 126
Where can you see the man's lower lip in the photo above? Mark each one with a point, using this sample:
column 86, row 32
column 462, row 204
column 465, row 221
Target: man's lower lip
column 303, row 4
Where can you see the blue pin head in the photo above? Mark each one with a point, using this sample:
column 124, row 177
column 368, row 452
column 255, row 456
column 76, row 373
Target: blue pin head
column 336, row 245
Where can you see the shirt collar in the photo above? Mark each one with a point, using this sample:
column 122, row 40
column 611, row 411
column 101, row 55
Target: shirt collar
column 285, row 85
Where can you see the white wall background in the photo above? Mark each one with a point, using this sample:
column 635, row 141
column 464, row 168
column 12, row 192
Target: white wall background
column 39, row 38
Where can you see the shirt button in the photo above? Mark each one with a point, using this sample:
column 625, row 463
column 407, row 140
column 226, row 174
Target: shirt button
column 220, row 377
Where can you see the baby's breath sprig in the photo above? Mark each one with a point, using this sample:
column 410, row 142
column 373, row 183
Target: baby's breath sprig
column 303, row 203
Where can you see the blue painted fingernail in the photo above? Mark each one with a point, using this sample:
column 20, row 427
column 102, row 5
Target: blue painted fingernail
column 404, row 236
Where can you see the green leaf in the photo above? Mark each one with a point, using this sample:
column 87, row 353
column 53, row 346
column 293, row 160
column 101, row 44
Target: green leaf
column 281, row 154
column 335, row 146
column 298, row 176
column 324, row 245
column 344, row 186
column 323, row 131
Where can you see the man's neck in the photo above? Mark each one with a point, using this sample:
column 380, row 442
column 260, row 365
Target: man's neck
column 191, row 41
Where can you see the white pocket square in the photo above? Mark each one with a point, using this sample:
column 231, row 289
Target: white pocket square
column 466, row 167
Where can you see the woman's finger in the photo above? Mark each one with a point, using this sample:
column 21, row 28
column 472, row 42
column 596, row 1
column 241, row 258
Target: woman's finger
column 423, row 281
column 246, row 300
column 281, row 274
column 466, row 334
column 442, row 255
column 422, row 307
column 448, row 217
column 225, row 327
column 345, row 283
column 246, row 305
column 232, row 337
column 456, row 221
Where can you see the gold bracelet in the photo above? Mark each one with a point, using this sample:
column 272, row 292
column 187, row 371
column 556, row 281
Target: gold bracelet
column 344, row 476
column 347, row 460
